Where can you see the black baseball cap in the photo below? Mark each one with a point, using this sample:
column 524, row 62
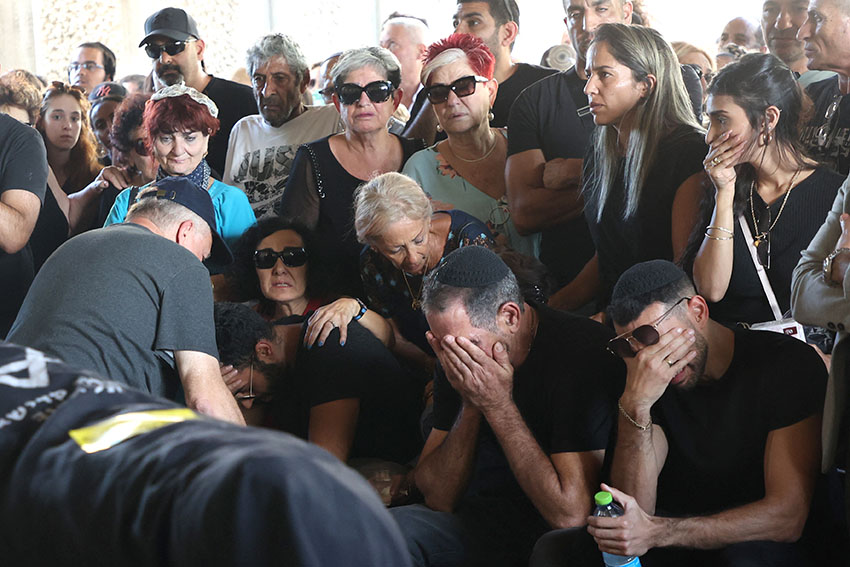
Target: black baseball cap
column 173, row 23
column 182, row 191
column 107, row 91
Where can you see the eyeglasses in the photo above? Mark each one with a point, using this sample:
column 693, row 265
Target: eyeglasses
column 87, row 65
column 646, row 335
column 172, row 48
column 377, row 91
column 250, row 395
column 823, row 133
column 291, row 256
column 139, row 147
column 462, row 87
column 500, row 214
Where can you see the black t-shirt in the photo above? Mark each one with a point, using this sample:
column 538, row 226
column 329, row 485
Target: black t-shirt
column 234, row 101
column 566, row 391
column 336, row 241
column 201, row 492
column 544, row 117
column 51, row 230
column 23, row 165
column 804, row 213
column 363, row 368
column 647, row 234
column 524, row 75
column 835, row 151
column 717, row 431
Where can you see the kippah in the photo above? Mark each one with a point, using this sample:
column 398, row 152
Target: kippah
column 471, row 266
column 646, row 277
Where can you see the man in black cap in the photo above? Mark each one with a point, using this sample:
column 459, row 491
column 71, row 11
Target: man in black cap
column 522, row 413
column 177, row 50
column 143, row 313
column 718, row 439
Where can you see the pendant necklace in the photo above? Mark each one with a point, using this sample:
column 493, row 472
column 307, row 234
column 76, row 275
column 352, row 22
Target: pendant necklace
column 763, row 237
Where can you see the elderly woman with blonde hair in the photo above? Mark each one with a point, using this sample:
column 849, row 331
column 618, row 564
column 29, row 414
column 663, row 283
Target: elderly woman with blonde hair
column 404, row 241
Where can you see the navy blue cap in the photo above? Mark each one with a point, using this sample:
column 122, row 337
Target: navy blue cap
column 172, row 23
column 182, row 191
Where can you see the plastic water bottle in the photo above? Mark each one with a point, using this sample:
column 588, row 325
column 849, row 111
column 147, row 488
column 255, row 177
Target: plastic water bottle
column 607, row 508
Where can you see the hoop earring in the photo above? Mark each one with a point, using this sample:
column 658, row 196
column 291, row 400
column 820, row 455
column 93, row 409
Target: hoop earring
column 767, row 137
column 439, row 128
column 491, row 116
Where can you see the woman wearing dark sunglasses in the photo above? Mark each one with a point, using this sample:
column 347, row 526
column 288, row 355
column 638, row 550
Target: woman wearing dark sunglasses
column 768, row 198
column 326, row 172
column 467, row 170
column 276, row 264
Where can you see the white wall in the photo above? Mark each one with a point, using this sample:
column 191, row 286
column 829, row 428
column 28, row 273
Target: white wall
column 41, row 34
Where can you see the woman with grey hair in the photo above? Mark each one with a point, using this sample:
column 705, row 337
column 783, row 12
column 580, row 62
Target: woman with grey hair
column 404, row 241
column 325, row 173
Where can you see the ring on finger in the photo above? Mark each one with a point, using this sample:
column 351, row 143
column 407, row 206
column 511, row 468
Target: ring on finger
column 670, row 362
column 715, row 161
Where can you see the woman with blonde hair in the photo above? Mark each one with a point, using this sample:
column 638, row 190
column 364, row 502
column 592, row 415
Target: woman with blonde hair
column 643, row 173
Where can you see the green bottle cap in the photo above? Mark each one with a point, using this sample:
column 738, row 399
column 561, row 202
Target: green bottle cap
column 603, row 498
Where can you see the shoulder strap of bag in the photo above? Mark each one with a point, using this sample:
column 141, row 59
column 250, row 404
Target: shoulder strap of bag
column 765, row 283
column 317, row 173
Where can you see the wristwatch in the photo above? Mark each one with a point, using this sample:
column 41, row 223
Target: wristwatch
column 827, row 266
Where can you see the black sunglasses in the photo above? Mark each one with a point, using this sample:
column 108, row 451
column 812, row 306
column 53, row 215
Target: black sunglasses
column 172, row 48
column 139, row 147
column 698, row 70
column 462, row 87
column 291, row 256
column 377, row 91
column 646, row 335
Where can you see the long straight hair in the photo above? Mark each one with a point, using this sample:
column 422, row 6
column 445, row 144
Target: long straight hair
column 665, row 108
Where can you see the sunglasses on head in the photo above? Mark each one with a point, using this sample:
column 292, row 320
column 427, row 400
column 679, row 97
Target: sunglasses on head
column 377, row 91
column 172, row 48
column 291, row 256
column 646, row 335
column 462, row 87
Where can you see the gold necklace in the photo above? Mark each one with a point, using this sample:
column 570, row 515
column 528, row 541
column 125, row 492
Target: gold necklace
column 482, row 158
column 415, row 302
column 760, row 237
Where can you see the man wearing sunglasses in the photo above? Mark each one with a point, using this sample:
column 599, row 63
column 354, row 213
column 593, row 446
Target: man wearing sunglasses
column 718, row 438
column 826, row 44
column 177, row 51
column 262, row 146
column 550, row 131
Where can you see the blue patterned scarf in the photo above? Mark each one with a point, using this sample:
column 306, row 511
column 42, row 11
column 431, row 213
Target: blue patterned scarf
column 200, row 176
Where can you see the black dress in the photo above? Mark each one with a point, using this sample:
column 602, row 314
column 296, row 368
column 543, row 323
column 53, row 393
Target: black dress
column 646, row 234
column 320, row 195
column 804, row 213
column 51, row 230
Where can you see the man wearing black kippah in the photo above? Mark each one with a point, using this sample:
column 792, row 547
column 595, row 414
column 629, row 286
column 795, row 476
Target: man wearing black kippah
column 718, row 438
column 523, row 407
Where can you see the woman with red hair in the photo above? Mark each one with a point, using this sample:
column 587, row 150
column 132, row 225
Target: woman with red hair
column 467, row 170
column 178, row 122
column 70, row 201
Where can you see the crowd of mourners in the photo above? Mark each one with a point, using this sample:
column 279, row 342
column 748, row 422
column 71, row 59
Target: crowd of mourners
column 417, row 303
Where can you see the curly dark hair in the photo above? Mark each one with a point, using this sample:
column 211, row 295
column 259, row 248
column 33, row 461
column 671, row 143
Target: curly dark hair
column 128, row 117
column 237, row 330
column 242, row 274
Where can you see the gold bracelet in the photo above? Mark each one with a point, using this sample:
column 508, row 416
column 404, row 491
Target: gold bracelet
column 632, row 421
column 717, row 237
column 720, row 229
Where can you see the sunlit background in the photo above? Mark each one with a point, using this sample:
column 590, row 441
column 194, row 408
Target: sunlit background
column 40, row 35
